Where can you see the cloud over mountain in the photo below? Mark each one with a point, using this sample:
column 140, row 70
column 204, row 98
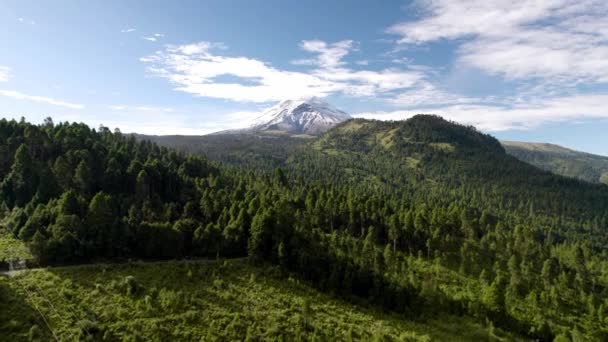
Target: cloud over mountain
column 201, row 70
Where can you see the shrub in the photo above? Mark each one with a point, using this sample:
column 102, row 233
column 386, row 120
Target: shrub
column 218, row 284
column 35, row 333
column 131, row 285
column 87, row 327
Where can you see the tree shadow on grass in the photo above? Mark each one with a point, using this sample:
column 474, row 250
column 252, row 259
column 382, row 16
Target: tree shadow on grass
column 18, row 319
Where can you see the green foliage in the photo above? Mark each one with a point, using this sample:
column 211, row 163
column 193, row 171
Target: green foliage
column 245, row 150
column 11, row 248
column 131, row 286
column 89, row 302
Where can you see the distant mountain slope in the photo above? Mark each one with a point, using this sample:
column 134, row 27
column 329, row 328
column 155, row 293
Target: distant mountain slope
column 256, row 150
column 561, row 160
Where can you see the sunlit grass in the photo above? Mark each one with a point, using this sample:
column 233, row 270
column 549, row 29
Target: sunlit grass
column 217, row 301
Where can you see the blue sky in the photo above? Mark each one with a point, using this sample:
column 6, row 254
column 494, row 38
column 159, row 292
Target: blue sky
column 520, row 70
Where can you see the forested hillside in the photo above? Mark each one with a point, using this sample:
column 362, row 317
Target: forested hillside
column 560, row 160
column 260, row 151
column 417, row 217
column 429, row 160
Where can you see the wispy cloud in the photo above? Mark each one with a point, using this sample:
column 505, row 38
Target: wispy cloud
column 559, row 39
column 425, row 93
column 497, row 117
column 196, row 69
column 154, row 37
column 547, row 51
column 328, row 55
column 5, row 73
column 128, row 30
column 20, row 96
column 200, row 70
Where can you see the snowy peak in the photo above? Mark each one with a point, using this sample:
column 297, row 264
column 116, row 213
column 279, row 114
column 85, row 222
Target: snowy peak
column 311, row 115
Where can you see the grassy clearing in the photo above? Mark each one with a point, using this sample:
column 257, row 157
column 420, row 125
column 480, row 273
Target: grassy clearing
column 351, row 126
column 222, row 301
column 445, row 147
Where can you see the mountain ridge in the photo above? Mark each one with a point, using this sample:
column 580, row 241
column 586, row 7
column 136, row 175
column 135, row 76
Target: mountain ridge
column 561, row 160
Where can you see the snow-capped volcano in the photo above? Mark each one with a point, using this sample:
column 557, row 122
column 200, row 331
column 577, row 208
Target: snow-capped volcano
column 310, row 115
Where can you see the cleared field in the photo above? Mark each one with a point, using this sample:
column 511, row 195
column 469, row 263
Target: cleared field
column 219, row 301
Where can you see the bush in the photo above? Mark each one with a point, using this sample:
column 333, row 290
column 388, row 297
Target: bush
column 35, row 333
column 87, row 327
column 561, row 338
column 218, row 284
column 131, row 285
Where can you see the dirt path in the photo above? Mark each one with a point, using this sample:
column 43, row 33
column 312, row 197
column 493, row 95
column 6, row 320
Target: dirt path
column 9, row 274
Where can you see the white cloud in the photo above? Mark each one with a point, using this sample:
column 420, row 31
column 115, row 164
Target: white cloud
column 548, row 51
column 331, row 66
column 195, row 69
column 20, row 96
column 154, row 37
column 426, row 94
column 496, row 117
column 371, row 83
column 128, row 30
column 197, row 48
column 329, row 56
column 5, row 73
column 198, row 69
column 557, row 39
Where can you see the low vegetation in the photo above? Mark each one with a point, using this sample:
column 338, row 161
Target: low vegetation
column 210, row 301
column 12, row 248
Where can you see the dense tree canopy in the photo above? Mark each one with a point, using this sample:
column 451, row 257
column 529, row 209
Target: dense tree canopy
column 351, row 212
